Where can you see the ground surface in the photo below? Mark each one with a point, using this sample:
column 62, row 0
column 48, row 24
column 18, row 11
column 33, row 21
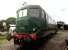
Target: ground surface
column 56, row 43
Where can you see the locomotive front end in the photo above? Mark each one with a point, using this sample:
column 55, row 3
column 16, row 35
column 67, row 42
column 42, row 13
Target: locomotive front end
column 29, row 25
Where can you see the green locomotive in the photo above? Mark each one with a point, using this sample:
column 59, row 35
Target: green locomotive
column 31, row 26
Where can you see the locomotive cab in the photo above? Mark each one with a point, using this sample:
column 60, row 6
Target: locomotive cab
column 31, row 10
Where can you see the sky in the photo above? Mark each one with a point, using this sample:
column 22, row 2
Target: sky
column 57, row 9
column 7, row 8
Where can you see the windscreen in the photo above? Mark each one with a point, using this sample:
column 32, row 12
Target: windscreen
column 29, row 12
column 34, row 12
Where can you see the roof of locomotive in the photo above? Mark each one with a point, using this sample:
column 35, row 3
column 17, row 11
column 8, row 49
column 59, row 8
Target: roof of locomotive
column 30, row 6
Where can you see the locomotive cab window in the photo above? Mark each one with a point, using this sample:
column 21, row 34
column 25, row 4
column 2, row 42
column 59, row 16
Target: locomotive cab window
column 23, row 13
column 34, row 12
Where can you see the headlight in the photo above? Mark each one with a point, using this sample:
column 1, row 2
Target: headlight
column 34, row 29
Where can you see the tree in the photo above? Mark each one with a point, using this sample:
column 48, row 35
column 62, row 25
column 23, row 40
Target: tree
column 11, row 20
column 2, row 25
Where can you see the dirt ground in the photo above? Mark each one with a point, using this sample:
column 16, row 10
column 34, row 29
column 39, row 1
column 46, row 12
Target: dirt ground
column 8, row 45
column 55, row 43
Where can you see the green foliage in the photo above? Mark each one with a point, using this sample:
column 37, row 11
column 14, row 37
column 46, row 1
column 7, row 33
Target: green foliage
column 1, row 25
column 11, row 20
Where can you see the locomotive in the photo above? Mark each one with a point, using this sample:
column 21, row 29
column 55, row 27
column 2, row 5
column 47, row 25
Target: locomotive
column 31, row 27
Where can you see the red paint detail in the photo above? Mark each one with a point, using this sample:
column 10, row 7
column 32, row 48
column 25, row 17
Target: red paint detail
column 33, row 36
column 18, row 36
column 21, row 36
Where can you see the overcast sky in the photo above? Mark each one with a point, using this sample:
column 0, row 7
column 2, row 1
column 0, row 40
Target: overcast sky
column 58, row 9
